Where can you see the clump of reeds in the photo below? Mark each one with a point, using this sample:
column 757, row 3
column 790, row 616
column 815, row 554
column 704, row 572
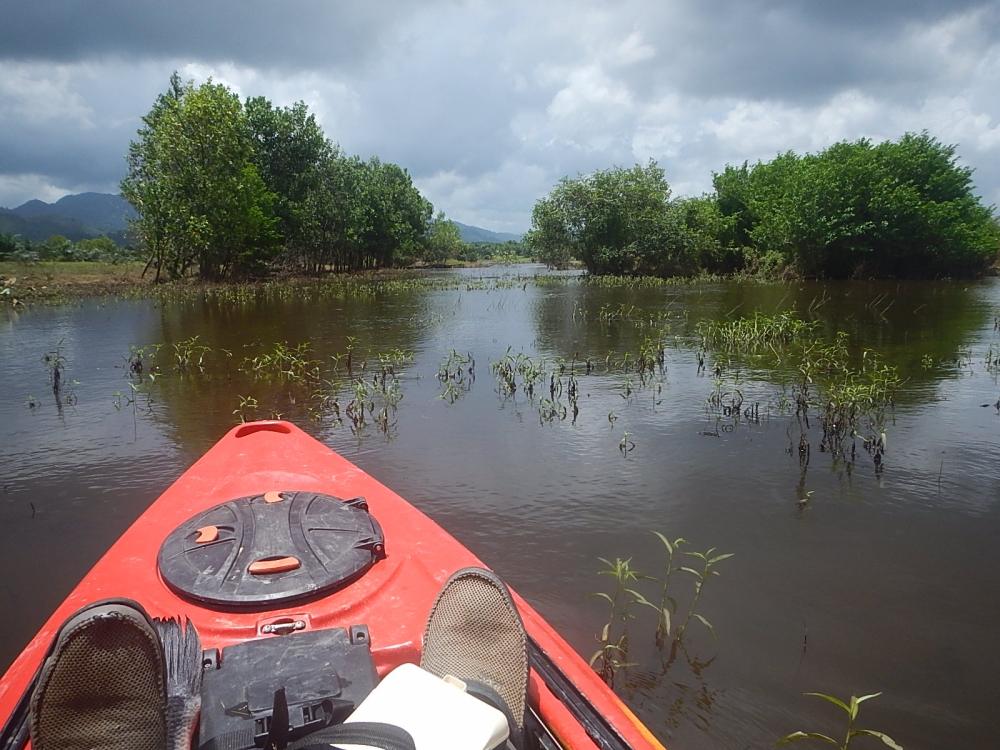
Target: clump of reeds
column 457, row 374
column 757, row 331
column 189, row 354
column 284, row 360
column 141, row 359
column 247, row 409
column 646, row 282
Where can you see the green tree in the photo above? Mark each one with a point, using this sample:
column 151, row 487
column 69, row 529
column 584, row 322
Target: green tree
column 732, row 196
column 57, row 247
column 290, row 151
column 690, row 240
column 398, row 216
column 443, row 240
column 201, row 200
column 549, row 236
column 221, row 187
column 902, row 208
column 334, row 216
column 362, row 214
column 99, row 248
column 10, row 245
column 146, row 188
column 612, row 220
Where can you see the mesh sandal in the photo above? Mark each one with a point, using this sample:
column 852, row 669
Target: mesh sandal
column 103, row 684
column 475, row 633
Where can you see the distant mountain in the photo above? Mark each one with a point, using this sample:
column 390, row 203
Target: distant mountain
column 86, row 215
column 75, row 216
column 478, row 234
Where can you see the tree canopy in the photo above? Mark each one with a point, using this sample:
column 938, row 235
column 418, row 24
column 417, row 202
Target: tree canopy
column 903, row 208
column 225, row 187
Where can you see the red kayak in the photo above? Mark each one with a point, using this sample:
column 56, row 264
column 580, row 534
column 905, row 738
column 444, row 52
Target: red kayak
column 250, row 546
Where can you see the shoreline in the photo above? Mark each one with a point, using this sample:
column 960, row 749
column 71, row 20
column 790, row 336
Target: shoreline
column 55, row 282
column 23, row 283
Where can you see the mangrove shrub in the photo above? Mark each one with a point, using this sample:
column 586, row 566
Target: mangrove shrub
column 903, row 208
column 622, row 221
column 225, row 188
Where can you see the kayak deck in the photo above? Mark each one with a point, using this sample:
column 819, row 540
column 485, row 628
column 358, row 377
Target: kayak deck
column 393, row 597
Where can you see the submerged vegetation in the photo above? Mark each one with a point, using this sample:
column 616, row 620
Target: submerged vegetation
column 755, row 332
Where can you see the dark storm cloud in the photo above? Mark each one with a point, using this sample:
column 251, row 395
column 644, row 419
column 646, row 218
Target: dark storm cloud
column 268, row 32
column 795, row 50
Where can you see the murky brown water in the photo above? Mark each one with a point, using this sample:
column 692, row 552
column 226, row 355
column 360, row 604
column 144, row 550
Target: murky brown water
column 882, row 582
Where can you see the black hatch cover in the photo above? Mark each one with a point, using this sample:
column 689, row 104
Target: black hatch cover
column 271, row 548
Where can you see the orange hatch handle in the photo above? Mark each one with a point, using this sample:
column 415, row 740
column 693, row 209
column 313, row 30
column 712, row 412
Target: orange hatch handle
column 207, row 534
column 268, row 565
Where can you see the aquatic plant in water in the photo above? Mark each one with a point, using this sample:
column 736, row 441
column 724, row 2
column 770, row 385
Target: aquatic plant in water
column 709, row 560
column 247, row 408
column 190, row 353
column 753, row 332
column 668, row 605
column 851, row 708
column 457, row 374
column 613, row 651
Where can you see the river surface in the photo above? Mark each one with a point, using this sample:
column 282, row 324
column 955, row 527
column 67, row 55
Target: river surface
column 845, row 578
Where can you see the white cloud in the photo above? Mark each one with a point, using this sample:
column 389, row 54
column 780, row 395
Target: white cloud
column 43, row 95
column 487, row 200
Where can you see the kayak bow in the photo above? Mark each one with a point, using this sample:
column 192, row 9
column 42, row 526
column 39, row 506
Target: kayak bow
column 264, row 481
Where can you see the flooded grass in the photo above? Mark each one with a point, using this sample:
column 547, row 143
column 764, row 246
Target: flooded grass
column 457, row 375
column 755, row 332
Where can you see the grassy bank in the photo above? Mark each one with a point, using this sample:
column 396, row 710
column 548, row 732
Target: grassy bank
column 56, row 280
column 60, row 281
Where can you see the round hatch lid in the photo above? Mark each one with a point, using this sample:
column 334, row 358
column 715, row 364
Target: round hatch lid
column 271, row 548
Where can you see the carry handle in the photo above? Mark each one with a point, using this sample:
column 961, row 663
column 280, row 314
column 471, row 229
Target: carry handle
column 269, row 565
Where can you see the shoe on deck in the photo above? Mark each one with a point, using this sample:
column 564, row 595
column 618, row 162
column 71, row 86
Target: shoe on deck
column 475, row 633
column 103, row 685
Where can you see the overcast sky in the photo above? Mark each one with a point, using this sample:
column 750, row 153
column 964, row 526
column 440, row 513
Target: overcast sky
column 488, row 104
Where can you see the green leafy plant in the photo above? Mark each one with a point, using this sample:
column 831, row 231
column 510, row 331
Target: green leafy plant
column 709, row 560
column 247, row 408
column 610, row 657
column 851, row 708
column 456, row 373
column 668, row 605
column 190, row 354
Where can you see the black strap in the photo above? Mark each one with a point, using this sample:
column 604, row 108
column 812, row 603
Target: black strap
column 277, row 735
column 371, row 733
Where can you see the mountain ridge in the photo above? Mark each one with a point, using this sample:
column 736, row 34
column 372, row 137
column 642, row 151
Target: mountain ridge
column 470, row 233
column 77, row 216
